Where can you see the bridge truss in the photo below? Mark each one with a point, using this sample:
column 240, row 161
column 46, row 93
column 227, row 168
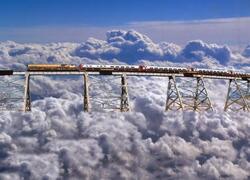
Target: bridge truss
column 190, row 94
column 183, row 92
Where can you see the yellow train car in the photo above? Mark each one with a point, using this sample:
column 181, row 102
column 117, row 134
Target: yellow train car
column 52, row 67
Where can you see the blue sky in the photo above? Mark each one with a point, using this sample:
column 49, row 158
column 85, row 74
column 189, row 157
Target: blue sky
column 76, row 20
column 114, row 12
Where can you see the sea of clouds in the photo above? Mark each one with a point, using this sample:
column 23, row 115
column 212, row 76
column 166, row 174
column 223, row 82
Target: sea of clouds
column 57, row 140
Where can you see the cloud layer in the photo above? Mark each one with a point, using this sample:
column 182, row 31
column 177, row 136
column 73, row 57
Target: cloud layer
column 126, row 46
column 57, row 140
column 131, row 46
column 231, row 31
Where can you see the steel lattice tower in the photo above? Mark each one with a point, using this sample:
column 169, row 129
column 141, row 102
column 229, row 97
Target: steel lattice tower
column 238, row 95
column 27, row 98
column 188, row 96
column 174, row 101
column 86, row 93
column 201, row 99
column 124, row 95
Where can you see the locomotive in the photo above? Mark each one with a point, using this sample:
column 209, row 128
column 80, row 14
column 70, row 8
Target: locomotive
column 52, row 67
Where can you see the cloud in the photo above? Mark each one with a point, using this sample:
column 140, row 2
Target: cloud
column 219, row 168
column 196, row 50
column 131, row 46
column 57, row 140
column 128, row 46
column 246, row 52
column 231, row 31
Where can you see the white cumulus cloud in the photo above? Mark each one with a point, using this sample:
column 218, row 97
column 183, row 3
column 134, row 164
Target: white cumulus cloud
column 57, row 140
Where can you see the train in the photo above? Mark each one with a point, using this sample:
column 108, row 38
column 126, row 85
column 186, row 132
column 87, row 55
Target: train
column 187, row 71
column 52, row 67
column 113, row 68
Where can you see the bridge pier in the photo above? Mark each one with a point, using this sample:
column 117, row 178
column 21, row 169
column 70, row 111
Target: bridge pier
column 237, row 96
column 247, row 97
column 174, row 101
column 124, row 94
column 201, row 99
column 86, row 105
column 179, row 97
column 248, row 94
column 27, row 98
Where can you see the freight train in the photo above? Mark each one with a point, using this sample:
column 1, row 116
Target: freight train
column 52, row 67
column 106, row 69
column 86, row 67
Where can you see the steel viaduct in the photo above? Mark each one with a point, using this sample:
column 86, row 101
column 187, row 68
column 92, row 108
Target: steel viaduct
column 238, row 94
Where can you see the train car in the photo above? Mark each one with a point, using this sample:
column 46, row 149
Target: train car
column 145, row 68
column 102, row 69
column 142, row 67
column 239, row 72
column 5, row 72
column 110, row 68
column 162, row 69
column 52, row 67
column 89, row 67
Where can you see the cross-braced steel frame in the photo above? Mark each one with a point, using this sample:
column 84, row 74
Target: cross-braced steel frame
column 124, row 95
column 238, row 95
column 27, row 97
column 187, row 96
column 174, row 101
column 110, row 104
column 201, row 98
column 190, row 95
column 86, row 105
column 11, row 93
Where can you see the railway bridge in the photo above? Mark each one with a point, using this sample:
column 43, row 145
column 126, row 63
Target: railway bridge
column 178, row 95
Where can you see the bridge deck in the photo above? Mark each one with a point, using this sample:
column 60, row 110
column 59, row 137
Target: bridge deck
column 237, row 96
column 207, row 75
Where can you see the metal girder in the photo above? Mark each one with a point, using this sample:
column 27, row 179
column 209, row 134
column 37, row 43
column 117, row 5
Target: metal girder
column 192, row 95
column 157, row 71
column 86, row 93
column 238, row 95
column 173, row 101
column 110, row 96
column 201, row 99
column 27, row 98
column 11, row 93
column 188, row 95
column 124, row 94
